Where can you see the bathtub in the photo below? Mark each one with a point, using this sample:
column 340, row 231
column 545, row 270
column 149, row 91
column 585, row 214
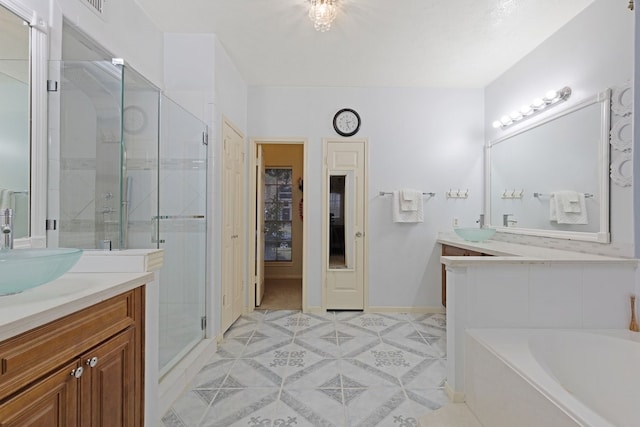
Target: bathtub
column 555, row 378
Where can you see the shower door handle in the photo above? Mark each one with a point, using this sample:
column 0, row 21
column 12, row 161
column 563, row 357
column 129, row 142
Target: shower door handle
column 154, row 232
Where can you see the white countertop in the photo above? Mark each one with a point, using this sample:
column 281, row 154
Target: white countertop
column 512, row 253
column 68, row 294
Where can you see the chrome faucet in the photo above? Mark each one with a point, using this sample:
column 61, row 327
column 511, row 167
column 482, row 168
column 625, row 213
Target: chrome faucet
column 480, row 221
column 6, row 226
column 506, row 221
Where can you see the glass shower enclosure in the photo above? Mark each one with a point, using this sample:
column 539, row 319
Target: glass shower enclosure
column 133, row 168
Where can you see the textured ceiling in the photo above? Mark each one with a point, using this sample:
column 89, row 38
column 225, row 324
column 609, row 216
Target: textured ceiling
column 414, row 43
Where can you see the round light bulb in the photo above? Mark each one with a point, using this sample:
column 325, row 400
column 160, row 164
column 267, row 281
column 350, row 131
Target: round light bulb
column 515, row 115
column 505, row 120
column 551, row 95
column 537, row 104
column 526, row 110
column 496, row 124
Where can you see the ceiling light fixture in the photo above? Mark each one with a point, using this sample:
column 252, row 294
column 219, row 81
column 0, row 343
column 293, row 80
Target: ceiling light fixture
column 552, row 97
column 322, row 13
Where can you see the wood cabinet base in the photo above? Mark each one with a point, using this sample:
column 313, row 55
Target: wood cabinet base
column 454, row 251
column 85, row 369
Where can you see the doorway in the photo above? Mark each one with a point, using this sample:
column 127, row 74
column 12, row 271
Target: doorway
column 344, row 224
column 277, row 220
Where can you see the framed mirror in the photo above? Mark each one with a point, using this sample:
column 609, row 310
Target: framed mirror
column 552, row 178
column 14, row 119
column 23, row 112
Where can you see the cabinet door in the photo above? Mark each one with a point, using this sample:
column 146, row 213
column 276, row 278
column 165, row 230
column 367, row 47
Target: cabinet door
column 108, row 385
column 51, row 402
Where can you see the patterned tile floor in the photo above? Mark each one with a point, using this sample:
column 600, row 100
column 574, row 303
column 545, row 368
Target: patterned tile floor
column 287, row 368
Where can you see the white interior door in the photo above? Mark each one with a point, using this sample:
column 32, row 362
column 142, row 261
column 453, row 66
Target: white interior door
column 344, row 220
column 232, row 219
column 259, row 228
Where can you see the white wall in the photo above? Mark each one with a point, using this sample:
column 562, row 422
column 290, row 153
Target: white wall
column 124, row 30
column 427, row 139
column 209, row 86
column 592, row 52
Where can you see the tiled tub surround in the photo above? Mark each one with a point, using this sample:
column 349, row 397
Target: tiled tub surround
column 538, row 377
column 530, row 287
column 286, row 368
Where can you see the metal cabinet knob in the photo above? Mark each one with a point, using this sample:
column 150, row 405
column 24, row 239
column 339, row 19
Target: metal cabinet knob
column 77, row 373
column 92, row 362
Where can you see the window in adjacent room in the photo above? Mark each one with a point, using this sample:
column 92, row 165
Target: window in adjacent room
column 277, row 214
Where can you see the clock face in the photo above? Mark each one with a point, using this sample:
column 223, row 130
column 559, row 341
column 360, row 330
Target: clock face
column 346, row 122
column 134, row 119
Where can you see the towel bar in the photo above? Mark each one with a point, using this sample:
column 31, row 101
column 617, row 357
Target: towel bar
column 389, row 193
column 538, row 195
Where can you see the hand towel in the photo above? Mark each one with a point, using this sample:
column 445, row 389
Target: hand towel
column 406, row 216
column 564, row 210
column 410, row 199
column 570, row 201
column 6, row 199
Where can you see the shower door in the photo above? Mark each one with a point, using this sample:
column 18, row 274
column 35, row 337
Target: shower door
column 181, row 231
column 90, row 155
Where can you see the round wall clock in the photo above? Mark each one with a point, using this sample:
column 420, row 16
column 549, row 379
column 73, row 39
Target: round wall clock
column 346, row 122
column 134, row 119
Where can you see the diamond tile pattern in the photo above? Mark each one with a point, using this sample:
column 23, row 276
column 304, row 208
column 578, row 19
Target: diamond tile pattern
column 287, row 368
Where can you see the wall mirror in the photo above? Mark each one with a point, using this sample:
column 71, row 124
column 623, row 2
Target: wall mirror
column 566, row 152
column 14, row 119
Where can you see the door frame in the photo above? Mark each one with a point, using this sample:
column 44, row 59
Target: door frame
column 253, row 144
column 325, row 218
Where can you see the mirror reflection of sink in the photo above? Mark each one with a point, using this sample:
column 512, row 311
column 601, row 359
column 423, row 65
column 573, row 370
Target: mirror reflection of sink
column 475, row 234
column 22, row 269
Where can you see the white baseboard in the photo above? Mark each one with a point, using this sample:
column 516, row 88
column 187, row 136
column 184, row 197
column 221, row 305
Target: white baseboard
column 454, row 396
column 314, row 309
column 420, row 310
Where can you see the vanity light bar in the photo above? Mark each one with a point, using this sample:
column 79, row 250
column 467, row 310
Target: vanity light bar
column 551, row 98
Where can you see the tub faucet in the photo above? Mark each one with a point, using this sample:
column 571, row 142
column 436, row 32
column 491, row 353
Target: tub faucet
column 506, row 221
column 6, row 226
column 480, row 221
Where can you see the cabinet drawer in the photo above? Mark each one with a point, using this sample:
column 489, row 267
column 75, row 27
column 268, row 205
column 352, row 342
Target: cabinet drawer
column 30, row 355
column 455, row 251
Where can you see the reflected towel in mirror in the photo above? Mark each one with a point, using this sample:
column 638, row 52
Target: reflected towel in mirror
column 568, row 207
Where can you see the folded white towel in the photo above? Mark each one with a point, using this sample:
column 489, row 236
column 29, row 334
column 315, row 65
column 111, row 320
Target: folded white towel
column 564, row 209
column 406, row 216
column 569, row 201
column 409, row 200
column 6, row 199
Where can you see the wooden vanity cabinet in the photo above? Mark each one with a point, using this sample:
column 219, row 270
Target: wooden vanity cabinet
column 85, row 369
column 454, row 251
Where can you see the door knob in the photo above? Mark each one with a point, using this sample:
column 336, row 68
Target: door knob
column 77, row 373
column 359, row 234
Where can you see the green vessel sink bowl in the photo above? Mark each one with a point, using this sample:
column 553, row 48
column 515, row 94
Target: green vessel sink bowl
column 475, row 234
column 22, row 269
